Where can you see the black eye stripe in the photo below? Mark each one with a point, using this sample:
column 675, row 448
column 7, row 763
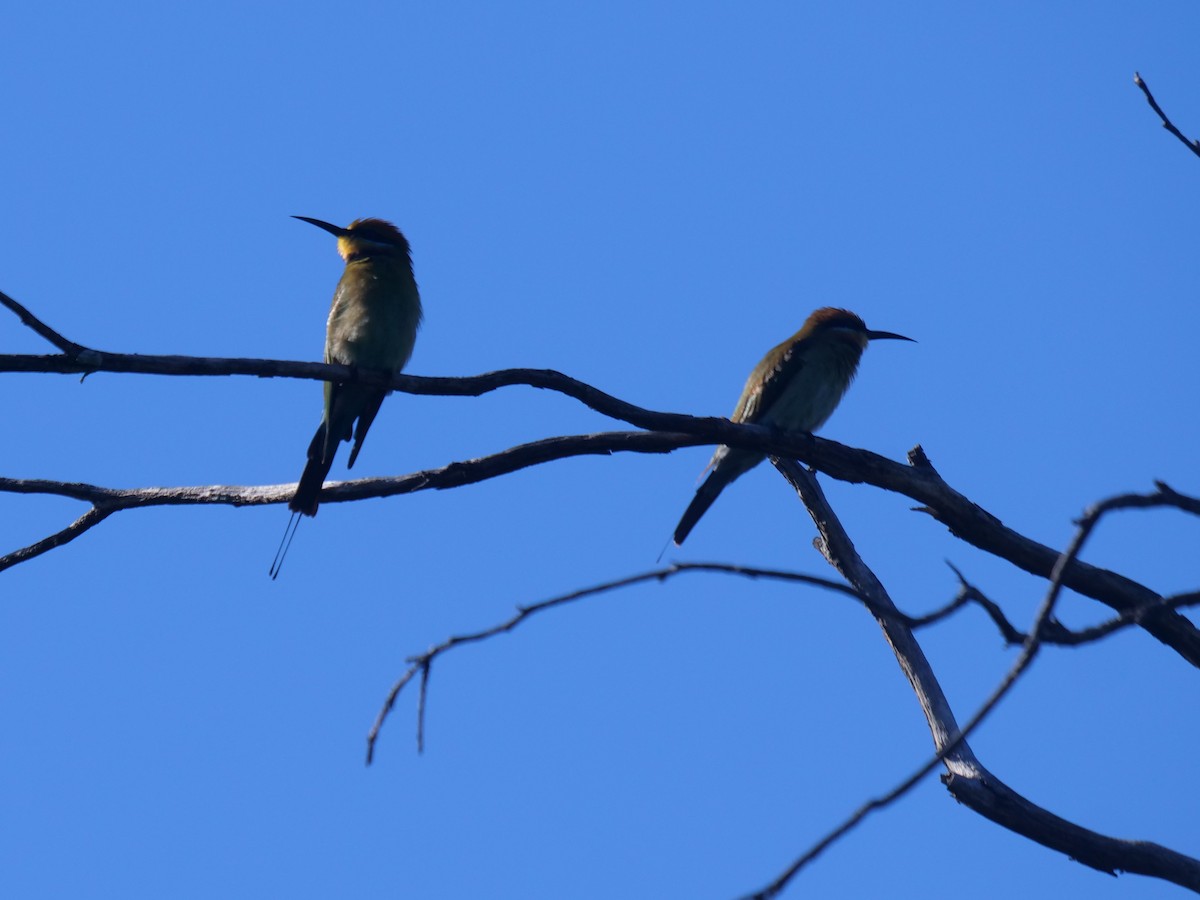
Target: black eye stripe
column 377, row 239
column 845, row 324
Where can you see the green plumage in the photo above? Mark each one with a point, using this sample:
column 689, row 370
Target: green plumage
column 372, row 326
column 795, row 387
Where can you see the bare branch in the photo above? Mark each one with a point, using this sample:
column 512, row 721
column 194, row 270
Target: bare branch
column 1002, row 805
column 454, row 475
column 836, row 546
column 981, row 790
column 978, row 788
column 919, row 480
column 32, row 321
column 976, row 526
column 1179, row 601
column 1053, row 633
column 966, row 778
column 422, row 663
column 952, row 750
column 1194, row 146
column 968, row 591
column 89, row 519
column 1134, row 602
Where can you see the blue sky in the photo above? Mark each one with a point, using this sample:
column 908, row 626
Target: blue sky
column 648, row 197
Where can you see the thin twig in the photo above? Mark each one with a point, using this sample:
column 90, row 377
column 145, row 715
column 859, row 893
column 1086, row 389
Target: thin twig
column 1194, row 146
column 88, row 520
column 1053, row 633
column 68, row 347
column 422, row 663
column 967, row 590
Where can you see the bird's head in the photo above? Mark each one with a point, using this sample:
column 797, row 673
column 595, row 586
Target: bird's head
column 832, row 324
column 365, row 237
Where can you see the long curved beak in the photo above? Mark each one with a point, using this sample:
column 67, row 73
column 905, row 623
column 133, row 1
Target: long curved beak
column 335, row 230
column 872, row 335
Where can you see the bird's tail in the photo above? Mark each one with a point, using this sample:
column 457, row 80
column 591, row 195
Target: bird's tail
column 366, row 416
column 727, row 464
column 305, row 500
column 705, row 497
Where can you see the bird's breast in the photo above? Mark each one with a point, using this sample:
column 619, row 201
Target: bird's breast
column 374, row 318
column 813, row 392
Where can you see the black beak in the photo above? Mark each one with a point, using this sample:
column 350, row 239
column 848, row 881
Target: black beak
column 871, row 335
column 335, row 230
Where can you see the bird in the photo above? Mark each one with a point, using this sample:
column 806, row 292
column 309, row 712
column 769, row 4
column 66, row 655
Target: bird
column 795, row 387
column 372, row 326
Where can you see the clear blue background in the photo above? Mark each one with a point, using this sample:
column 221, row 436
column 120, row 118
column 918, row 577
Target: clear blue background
column 646, row 196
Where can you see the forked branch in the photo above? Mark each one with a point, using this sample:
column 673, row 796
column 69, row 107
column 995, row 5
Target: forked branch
column 967, row 779
column 663, row 432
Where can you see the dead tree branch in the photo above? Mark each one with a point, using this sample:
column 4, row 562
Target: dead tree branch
column 918, row 480
column 1052, row 632
column 1194, row 146
column 1135, row 603
column 422, row 663
column 966, row 778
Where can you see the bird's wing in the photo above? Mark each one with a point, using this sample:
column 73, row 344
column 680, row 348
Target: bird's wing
column 764, row 388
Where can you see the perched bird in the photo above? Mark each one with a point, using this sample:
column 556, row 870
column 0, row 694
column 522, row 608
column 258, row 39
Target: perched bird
column 372, row 326
column 795, row 388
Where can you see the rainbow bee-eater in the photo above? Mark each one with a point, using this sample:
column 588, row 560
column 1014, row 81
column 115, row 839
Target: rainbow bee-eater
column 372, row 326
column 795, row 388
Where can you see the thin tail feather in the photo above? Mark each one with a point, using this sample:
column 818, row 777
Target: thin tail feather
column 284, row 545
column 304, row 502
